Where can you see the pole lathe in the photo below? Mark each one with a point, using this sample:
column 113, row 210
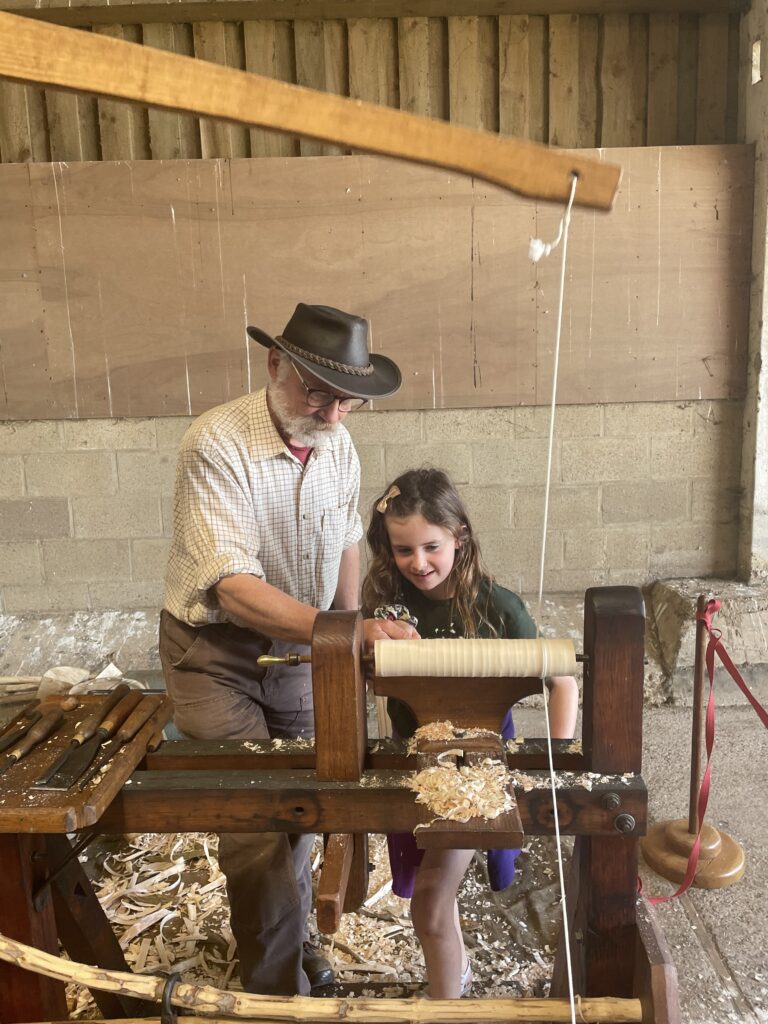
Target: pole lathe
column 348, row 787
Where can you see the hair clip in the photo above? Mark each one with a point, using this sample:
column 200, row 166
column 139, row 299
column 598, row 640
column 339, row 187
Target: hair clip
column 393, row 492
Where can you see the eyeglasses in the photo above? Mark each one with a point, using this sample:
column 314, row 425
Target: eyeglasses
column 322, row 399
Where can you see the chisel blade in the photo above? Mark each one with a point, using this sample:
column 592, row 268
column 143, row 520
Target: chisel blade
column 78, row 761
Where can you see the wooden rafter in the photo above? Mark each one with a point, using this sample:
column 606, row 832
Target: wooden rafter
column 86, row 12
column 54, row 56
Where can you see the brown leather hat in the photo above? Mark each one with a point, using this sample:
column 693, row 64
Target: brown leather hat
column 333, row 346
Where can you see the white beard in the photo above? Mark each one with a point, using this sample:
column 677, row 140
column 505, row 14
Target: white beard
column 306, row 431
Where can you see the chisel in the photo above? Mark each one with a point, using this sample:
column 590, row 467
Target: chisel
column 141, row 714
column 79, row 760
column 86, row 729
column 40, row 731
column 13, row 735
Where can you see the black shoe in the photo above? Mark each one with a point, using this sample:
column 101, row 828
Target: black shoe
column 316, row 967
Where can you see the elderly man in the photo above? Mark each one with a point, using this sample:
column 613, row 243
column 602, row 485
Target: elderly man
column 265, row 534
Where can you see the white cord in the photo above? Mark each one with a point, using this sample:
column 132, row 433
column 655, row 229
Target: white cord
column 536, row 251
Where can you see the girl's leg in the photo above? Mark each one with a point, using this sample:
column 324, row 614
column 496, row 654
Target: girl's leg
column 436, row 920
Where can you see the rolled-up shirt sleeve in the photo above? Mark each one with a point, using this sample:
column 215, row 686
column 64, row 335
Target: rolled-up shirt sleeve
column 219, row 533
column 354, row 526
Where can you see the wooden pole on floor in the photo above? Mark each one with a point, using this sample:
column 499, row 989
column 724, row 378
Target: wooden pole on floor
column 209, row 1001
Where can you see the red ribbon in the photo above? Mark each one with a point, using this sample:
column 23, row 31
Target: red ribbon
column 714, row 646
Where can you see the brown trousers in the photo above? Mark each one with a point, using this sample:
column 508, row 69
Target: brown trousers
column 218, row 692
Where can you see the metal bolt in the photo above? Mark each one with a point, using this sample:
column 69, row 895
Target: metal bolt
column 611, row 801
column 624, row 823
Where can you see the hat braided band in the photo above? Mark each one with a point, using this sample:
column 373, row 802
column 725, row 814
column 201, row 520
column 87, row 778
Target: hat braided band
column 332, row 364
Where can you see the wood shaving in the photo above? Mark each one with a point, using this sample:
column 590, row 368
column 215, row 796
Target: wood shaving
column 464, row 792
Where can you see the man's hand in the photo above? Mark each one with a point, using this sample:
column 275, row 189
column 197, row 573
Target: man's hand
column 387, row 629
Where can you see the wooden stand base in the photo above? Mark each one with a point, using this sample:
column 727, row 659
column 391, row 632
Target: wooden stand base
column 668, row 846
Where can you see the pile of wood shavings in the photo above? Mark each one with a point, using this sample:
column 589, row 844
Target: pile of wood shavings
column 464, row 792
column 444, row 731
column 165, row 897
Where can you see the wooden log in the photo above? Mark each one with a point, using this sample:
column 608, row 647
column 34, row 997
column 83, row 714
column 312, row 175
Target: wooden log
column 211, row 1001
column 58, row 57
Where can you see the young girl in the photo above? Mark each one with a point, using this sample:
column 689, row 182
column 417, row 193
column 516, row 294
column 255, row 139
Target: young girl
column 426, row 567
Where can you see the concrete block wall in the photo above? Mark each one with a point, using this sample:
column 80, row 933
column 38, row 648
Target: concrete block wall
column 640, row 492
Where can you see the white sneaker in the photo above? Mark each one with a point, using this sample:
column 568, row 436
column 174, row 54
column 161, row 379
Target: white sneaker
column 466, row 980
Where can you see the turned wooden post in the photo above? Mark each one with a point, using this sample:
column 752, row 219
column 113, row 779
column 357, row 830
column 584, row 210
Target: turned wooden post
column 341, row 740
column 602, row 882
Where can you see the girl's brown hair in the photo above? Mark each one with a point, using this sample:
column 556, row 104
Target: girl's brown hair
column 429, row 493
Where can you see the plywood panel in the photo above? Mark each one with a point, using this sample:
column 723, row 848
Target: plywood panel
column 662, row 79
column 564, row 80
column 172, row 136
column 129, row 285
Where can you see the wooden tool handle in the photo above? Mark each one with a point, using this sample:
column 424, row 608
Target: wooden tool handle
column 141, row 713
column 91, row 722
column 40, row 731
column 113, row 719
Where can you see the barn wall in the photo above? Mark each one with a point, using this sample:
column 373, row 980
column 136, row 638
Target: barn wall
column 642, row 490
column 568, row 80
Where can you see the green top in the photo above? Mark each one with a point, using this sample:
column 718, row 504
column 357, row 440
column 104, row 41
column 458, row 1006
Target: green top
column 502, row 608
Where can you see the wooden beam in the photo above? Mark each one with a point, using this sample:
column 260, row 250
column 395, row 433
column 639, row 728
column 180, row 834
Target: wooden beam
column 288, row 801
column 54, row 56
column 85, row 12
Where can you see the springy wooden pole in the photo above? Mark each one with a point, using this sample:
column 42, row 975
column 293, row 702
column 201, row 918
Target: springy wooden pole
column 209, row 1001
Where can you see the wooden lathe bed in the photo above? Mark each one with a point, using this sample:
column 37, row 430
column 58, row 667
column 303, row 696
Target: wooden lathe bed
column 348, row 787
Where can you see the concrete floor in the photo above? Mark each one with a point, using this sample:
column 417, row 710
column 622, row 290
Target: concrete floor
column 718, row 938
